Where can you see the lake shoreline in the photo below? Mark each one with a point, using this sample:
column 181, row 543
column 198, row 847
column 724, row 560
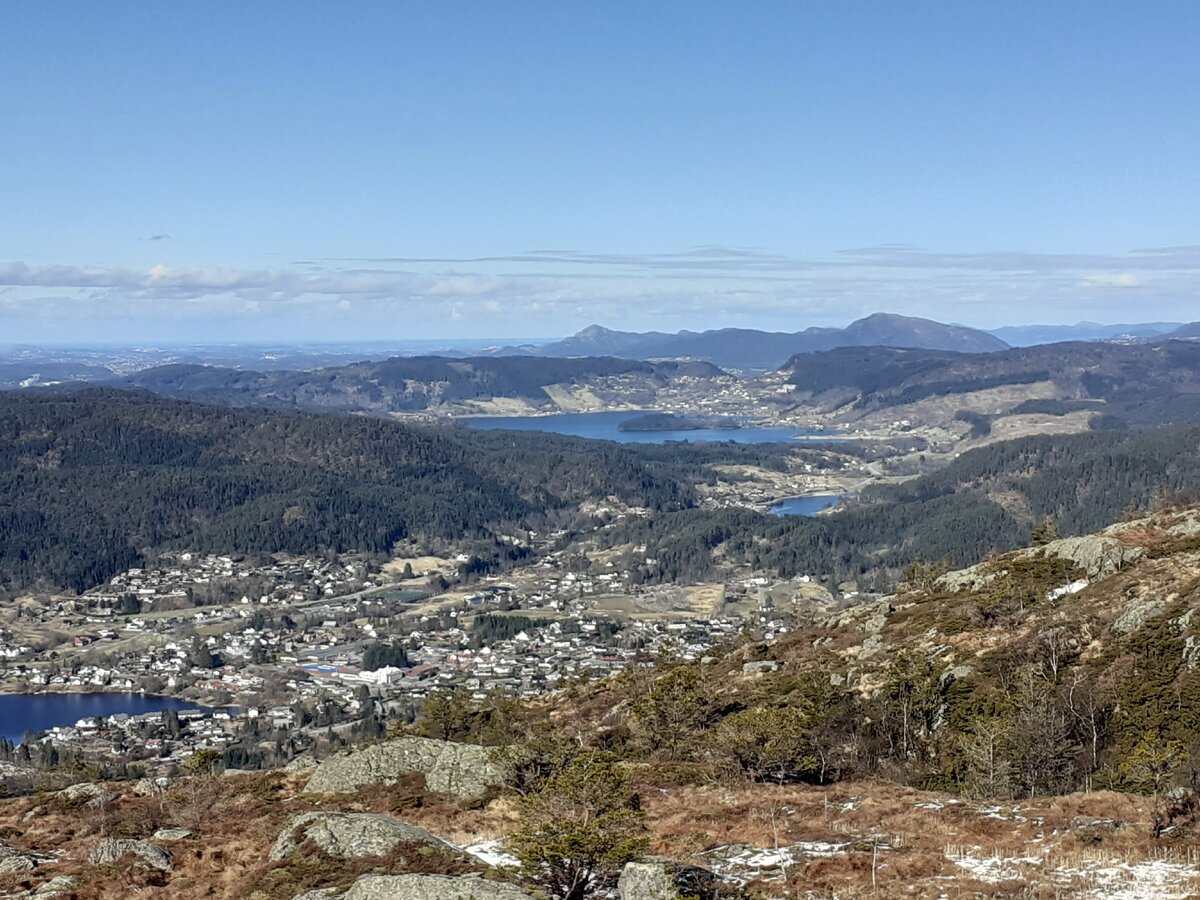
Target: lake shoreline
column 26, row 713
column 800, row 502
column 606, row 426
column 206, row 700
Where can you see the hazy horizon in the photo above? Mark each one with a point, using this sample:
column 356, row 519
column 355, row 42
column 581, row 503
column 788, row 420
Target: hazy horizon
column 451, row 342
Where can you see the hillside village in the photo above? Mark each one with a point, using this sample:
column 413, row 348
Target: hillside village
column 281, row 637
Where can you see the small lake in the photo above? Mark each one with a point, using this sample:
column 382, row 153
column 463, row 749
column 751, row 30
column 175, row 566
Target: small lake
column 605, row 426
column 805, row 506
column 22, row 713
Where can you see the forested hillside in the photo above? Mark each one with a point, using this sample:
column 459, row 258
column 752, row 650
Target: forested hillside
column 1129, row 384
column 1084, row 481
column 91, row 480
column 400, row 384
column 986, row 501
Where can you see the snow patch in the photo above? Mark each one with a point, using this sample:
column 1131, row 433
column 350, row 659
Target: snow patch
column 492, row 853
column 1103, row 878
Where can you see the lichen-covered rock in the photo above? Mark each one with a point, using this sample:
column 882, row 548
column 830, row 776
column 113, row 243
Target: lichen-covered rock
column 974, row 578
column 870, row 646
column 1098, row 555
column 300, row 764
column 83, row 792
column 1136, row 613
column 148, row 787
column 1187, row 526
column 956, row 673
column 321, row 894
column 56, row 887
column 351, row 834
column 464, row 770
column 13, row 860
column 664, row 879
column 432, row 887
column 872, row 616
column 19, row 861
column 760, row 667
column 147, row 854
column 171, row 834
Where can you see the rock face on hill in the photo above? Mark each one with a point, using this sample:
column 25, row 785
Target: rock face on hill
column 463, row 770
column 351, row 834
column 146, row 854
column 1097, row 554
column 663, row 879
column 431, row 887
column 12, row 860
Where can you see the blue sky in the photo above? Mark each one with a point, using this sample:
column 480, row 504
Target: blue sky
column 498, row 169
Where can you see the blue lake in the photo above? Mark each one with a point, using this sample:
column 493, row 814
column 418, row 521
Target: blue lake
column 21, row 713
column 605, row 426
column 805, row 506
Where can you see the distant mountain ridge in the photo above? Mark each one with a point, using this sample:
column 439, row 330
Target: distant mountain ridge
column 1191, row 330
column 406, row 384
column 748, row 348
column 1132, row 385
column 1031, row 335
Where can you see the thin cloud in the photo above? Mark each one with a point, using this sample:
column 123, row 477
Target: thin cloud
column 905, row 256
column 167, row 282
column 698, row 288
column 700, row 259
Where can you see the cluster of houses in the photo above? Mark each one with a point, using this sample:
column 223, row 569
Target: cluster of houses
column 303, row 641
column 185, row 575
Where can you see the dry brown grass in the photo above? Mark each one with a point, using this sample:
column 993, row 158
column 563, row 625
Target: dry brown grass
column 687, row 821
column 227, row 858
column 915, row 828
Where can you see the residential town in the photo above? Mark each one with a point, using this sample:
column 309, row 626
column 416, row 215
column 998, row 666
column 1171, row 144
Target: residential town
column 286, row 650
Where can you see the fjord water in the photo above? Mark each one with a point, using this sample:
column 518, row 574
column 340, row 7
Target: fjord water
column 22, row 713
column 605, row 426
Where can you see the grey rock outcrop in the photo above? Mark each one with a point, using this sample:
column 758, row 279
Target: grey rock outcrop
column 760, row 667
column 464, row 770
column 870, row 616
column 956, row 673
column 351, row 834
column 148, row 787
column 664, row 879
column 84, row 791
column 1098, row 555
column 13, row 860
column 321, row 894
column 1136, row 613
column 171, row 834
column 974, row 578
column 149, row 855
column 57, row 886
column 1187, row 526
column 432, row 887
column 300, row 764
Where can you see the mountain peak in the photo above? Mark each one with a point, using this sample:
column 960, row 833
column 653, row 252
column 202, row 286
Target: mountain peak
column 594, row 331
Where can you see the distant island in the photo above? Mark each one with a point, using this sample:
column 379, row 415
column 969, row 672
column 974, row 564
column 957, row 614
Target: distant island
column 672, row 422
